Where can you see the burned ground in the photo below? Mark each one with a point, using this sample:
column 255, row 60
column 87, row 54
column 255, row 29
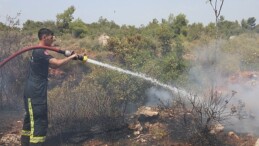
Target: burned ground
column 154, row 126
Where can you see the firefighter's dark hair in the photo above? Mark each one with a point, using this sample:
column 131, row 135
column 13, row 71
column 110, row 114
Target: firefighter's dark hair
column 44, row 31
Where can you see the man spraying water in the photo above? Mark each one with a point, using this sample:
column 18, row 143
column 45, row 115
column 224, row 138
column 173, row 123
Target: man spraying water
column 35, row 94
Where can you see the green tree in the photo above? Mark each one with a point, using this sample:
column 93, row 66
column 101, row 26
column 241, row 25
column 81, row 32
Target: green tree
column 129, row 50
column 165, row 38
column 228, row 28
column 2, row 26
column 195, row 31
column 64, row 19
column 248, row 24
column 257, row 28
column 109, row 27
column 78, row 28
column 210, row 30
column 103, row 26
column 32, row 27
column 251, row 22
column 50, row 25
column 151, row 29
column 171, row 18
column 179, row 25
column 244, row 24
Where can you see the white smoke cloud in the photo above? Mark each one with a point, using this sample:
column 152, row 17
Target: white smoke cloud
column 247, row 93
column 211, row 66
column 212, row 69
column 158, row 96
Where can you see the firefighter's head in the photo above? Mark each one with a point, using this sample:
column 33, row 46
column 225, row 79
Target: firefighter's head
column 46, row 36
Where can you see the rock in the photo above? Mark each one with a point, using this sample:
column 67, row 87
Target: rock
column 149, row 113
column 217, row 128
column 136, row 126
column 146, row 114
column 142, row 140
column 103, row 39
column 147, row 125
column 232, row 37
column 136, row 133
column 233, row 135
column 257, row 142
column 10, row 139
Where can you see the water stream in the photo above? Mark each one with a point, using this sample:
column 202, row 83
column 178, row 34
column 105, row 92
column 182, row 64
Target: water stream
column 140, row 75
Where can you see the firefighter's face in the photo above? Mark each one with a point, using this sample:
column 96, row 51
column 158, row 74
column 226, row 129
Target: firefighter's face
column 48, row 39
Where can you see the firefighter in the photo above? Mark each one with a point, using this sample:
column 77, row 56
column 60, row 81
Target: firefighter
column 35, row 94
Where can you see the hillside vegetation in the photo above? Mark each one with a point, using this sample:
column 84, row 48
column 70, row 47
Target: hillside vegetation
column 84, row 95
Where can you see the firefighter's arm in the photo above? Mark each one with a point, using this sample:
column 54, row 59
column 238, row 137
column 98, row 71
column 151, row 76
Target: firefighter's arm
column 56, row 63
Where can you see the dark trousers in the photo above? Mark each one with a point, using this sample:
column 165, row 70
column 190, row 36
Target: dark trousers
column 35, row 123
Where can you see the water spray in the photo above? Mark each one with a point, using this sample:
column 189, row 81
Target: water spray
column 139, row 75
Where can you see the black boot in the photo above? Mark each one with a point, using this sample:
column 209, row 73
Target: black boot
column 37, row 144
column 25, row 140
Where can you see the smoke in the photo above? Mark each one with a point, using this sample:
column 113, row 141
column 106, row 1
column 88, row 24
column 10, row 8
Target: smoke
column 158, row 96
column 210, row 67
column 247, row 94
column 155, row 96
column 213, row 69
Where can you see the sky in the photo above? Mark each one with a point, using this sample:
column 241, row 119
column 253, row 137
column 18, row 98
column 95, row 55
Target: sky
column 128, row 12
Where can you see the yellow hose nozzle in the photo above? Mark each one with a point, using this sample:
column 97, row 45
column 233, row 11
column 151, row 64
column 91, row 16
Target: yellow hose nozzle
column 84, row 59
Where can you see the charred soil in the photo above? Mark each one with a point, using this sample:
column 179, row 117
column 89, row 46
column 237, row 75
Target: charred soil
column 158, row 129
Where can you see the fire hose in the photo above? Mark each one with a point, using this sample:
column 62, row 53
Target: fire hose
column 66, row 53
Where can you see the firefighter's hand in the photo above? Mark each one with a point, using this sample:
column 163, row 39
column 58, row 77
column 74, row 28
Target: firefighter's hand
column 82, row 57
column 69, row 53
column 74, row 56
